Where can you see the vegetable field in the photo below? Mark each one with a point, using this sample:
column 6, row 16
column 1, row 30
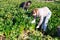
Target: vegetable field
column 15, row 22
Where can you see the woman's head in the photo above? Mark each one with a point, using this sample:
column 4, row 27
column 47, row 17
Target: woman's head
column 35, row 12
column 28, row 3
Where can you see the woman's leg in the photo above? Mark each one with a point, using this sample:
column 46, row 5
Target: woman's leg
column 44, row 25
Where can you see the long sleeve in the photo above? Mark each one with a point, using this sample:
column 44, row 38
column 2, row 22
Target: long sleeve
column 40, row 22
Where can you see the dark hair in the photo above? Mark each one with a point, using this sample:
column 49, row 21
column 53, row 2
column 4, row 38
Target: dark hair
column 29, row 2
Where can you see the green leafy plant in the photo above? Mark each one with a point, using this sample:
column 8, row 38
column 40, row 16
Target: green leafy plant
column 13, row 20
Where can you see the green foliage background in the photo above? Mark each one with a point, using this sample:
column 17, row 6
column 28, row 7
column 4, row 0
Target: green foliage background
column 13, row 19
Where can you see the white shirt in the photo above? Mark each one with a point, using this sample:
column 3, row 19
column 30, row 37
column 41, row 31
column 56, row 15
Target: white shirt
column 43, row 11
